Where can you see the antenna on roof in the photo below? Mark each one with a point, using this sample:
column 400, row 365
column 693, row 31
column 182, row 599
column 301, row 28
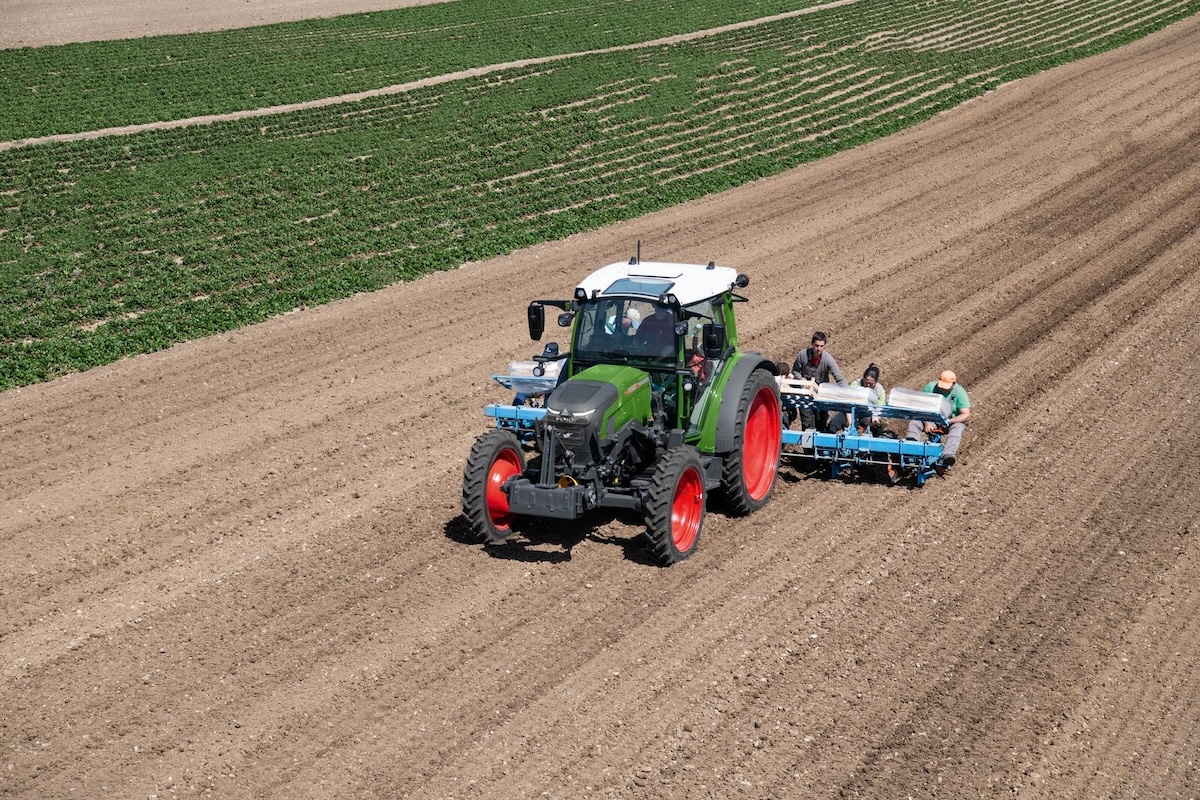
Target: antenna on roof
column 638, row 258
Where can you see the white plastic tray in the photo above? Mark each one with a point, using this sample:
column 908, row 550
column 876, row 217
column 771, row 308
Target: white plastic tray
column 801, row 386
column 912, row 400
column 831, row 392
column 525, row 382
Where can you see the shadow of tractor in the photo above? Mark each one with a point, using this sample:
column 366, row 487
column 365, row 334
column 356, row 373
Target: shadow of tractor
column 550, row 541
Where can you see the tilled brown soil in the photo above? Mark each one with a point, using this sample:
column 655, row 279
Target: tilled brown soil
column 236, row 567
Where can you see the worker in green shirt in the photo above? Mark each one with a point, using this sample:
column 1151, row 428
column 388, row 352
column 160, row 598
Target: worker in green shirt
column 947, row 386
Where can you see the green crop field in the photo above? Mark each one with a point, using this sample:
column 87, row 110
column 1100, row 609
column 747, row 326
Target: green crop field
column 83, row 87
column 126, row 244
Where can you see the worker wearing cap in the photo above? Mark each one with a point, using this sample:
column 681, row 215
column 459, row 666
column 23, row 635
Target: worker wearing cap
column 629, row 322
column 947, row 386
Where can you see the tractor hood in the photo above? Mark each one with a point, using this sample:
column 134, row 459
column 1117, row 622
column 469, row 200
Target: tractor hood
column 605, row 395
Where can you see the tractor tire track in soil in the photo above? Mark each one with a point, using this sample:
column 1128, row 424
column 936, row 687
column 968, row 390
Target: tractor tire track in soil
column 237, row 566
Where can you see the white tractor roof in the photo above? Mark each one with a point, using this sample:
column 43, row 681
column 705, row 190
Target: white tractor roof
column 691, row 283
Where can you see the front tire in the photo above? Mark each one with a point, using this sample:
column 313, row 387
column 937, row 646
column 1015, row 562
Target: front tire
column 675, row 506
column 748, row 473
column 495, row 458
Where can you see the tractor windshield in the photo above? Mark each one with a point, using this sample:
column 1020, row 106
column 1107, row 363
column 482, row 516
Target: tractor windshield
column 622, row 330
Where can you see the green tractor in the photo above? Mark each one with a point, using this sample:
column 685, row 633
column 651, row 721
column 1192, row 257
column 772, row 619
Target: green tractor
column 653, row 407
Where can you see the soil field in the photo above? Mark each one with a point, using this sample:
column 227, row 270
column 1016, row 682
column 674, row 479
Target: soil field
column 236, row 569
column 34, row 23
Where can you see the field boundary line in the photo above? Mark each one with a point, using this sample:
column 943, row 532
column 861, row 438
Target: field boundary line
column 401, row 88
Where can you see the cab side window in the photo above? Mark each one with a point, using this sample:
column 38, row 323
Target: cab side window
column 700, row 314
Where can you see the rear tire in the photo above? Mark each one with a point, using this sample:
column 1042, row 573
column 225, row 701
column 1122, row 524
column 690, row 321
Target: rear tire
column 675, row 506
column 748, row 473
column 495, row 457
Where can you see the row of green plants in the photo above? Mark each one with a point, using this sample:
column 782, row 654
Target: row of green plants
column 81, row 87
column 127, row 244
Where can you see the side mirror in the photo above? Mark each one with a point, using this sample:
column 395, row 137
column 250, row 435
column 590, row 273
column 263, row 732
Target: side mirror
column 537, row 321
column 714, row 340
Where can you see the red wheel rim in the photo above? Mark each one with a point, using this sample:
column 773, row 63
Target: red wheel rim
column 760, row 445
column 687, row 509
column 505, row 465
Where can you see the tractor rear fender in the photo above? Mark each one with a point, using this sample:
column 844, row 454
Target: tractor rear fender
column 726, row 432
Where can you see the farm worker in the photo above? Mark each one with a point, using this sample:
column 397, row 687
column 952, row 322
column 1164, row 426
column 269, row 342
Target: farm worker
column 656, row 334
column 875, row 396
column 697, row 363
column 629, row 323
column 818, row 364
column 947, row 386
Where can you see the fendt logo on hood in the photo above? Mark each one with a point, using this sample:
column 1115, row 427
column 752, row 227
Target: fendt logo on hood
column 637, row 386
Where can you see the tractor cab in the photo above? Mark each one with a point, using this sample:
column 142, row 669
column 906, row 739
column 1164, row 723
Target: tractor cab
column 672, row 321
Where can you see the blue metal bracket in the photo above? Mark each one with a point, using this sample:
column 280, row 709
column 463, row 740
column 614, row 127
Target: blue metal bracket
column 521, row 420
